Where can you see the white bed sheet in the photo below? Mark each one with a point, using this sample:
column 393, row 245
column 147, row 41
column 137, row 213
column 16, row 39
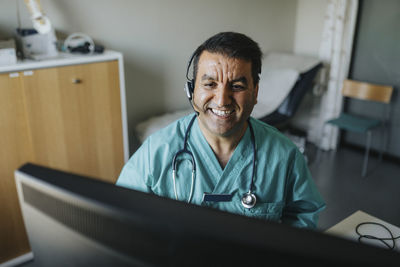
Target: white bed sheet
column 155, row 123
column 274, row 86
column 279, row 74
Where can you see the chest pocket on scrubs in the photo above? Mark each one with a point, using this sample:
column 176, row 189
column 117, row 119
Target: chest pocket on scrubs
column 270, row 211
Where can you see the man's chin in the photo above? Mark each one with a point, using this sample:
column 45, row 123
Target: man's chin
column 223, row 130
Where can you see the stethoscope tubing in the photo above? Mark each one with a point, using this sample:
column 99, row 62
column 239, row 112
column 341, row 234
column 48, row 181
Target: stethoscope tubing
column 174, row 162
column 248, row 199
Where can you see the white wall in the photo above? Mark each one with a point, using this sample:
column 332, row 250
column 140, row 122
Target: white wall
column 309, row 25
column 157, row 37
column 310, row 16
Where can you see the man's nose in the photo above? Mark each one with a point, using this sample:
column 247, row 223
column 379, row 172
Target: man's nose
column 223, row 96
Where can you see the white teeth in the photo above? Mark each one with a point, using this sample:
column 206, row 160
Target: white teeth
column 221, row 112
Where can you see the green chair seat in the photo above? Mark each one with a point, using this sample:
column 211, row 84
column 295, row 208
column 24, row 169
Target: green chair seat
column 354, row 123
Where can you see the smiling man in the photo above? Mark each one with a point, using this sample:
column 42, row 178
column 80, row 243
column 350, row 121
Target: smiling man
column 224, row 98
column 221, row 157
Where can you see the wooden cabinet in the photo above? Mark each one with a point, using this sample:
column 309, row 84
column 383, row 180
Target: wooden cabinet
column 15, row 149
column 66, row 117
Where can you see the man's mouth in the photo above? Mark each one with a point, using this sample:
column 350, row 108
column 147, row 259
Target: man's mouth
column 222, row 113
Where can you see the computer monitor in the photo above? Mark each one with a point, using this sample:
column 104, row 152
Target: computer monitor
column 73, row 220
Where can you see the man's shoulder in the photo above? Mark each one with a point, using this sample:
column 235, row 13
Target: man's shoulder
column 270, row 136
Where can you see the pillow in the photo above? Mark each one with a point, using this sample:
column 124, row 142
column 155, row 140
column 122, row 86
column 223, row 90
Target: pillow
column 274, row 86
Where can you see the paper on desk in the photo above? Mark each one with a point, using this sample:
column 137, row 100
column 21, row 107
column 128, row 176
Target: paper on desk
column 347, row 229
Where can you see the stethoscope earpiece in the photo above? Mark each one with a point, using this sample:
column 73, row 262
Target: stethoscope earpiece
column 249, row 200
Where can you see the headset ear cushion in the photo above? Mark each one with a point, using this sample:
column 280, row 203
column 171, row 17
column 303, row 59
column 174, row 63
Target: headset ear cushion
column 189, row 89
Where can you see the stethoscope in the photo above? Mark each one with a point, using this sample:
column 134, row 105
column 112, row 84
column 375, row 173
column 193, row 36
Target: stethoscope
column 248, row 198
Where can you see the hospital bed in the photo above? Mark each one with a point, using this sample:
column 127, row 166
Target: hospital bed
column 285, row 79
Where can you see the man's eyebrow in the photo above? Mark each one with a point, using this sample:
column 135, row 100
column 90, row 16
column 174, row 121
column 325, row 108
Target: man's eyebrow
column 207, row 77
column 240, row 79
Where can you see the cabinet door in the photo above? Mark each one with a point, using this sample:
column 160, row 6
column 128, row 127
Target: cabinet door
column 15, row 150
column 74, row 116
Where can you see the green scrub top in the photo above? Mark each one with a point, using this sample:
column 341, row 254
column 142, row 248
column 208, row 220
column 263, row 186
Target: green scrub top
column 283, row 185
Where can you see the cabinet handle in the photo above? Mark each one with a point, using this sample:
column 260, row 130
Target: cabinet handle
column 28, row 73
column 76, row 81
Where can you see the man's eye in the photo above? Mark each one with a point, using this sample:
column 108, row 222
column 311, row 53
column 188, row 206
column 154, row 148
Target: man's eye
column 209, row 85
column 237, row 87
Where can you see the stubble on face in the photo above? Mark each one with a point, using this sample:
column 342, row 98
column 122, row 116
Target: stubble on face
column 224, row 95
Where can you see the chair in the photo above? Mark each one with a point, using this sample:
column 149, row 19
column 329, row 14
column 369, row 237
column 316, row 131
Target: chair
column 361, row 124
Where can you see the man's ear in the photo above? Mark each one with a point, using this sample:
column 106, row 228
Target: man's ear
column 255, row 94
column 194, row 106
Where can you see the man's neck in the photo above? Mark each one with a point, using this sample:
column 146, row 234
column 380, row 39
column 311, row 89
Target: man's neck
column 223, row 146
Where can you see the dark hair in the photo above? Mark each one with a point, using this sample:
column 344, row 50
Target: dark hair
column 233, row 45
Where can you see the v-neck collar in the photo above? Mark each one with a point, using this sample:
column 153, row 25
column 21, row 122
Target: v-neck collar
column 241, row 157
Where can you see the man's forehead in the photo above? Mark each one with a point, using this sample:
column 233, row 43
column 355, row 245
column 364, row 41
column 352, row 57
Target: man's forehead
column 209, row 61
column 208, row 55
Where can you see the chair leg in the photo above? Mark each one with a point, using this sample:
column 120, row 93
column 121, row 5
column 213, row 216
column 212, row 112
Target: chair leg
column 382, row 145
column 383, row 142
column 366, row 156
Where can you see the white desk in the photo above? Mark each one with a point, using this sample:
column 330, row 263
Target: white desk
column 347, row 229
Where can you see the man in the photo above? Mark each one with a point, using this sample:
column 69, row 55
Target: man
column 221, row 157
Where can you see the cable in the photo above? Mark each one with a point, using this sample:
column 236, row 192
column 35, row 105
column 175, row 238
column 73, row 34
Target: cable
column 381, row 239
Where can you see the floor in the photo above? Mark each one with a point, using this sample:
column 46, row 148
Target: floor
column 338, row 176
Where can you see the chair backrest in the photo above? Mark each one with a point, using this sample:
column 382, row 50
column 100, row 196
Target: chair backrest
column 367, row 91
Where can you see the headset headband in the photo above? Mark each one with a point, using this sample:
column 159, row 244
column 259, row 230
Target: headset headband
column 195, row 53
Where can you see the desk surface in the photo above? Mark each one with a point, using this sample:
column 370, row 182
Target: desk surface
column 63, row 59
column 347, row 229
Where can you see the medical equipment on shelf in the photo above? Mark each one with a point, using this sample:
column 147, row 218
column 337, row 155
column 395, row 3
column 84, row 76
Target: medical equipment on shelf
column 37, row 46
column 40, row 42
column 80, row 43
column 248, row 199
column 40, row 21
column 8, row 54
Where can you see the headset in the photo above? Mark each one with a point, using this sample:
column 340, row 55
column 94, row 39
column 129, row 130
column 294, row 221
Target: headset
column 189, row 85
column 79, row 42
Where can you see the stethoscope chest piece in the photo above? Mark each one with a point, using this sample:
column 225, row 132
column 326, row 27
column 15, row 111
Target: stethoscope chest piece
column 249, row 200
